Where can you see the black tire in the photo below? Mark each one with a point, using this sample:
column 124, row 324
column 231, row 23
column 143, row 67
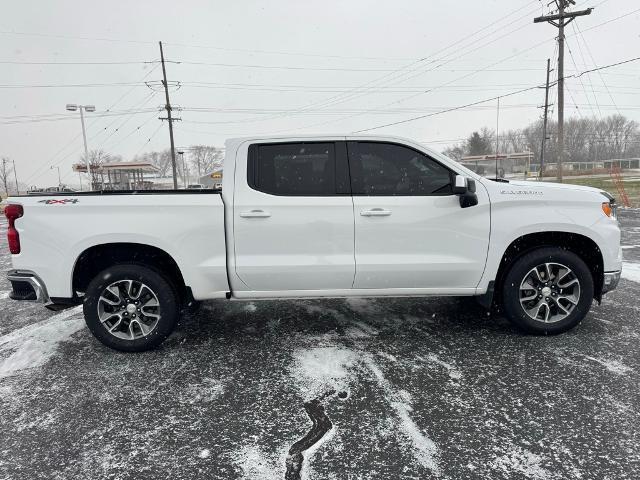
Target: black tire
column 167, row 299
column 515, row 311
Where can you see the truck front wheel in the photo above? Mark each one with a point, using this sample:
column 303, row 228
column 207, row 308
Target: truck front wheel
column 131, row 308
column 548, row 290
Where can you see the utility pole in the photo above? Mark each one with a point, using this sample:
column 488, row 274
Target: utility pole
column 544, row 122
column 561, row 20
column 497, row 137
column 169, row 119
column 4, row 176
column 15, row 174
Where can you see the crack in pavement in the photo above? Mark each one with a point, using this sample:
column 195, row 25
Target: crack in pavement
column 321, row 426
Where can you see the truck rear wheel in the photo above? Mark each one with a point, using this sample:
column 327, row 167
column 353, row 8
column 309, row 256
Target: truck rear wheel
column 547, row 291
column 131, row 308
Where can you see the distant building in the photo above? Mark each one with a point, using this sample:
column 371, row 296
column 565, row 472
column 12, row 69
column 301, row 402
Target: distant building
column 121, row 175
column 508, row 164
column 213, row 179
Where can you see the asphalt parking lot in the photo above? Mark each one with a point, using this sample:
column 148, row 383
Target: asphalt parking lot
column 397, row 388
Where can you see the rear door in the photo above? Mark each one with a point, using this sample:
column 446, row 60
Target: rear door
column 293, row 217
column 410, row 230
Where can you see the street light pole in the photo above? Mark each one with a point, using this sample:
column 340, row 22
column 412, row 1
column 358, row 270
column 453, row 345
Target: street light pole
column 184, row 169
column 59, row 180
column 88, row 108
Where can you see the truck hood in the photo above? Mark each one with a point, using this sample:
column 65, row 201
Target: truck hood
column 550, row 186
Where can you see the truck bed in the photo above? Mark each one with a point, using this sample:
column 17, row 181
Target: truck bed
column 187, row 225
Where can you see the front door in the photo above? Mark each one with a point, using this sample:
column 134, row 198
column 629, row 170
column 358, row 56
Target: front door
column 293, row 218
column 410, row 230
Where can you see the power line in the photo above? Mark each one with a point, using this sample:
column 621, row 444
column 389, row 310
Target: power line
column 74, row 85
column 577, row 28
column 148, row 139
column 93, row 121
column 69, row 117
column 144, row 102
column 14, row 62
column 343, row 97
column 486, row 100
column 582, row 84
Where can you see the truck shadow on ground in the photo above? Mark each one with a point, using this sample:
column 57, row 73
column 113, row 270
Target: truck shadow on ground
column 344, row 317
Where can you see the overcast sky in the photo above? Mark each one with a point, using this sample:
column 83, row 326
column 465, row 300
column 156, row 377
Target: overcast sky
column 263, row 67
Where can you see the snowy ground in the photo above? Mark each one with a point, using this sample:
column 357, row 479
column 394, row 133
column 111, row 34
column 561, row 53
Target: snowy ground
column 405, row 389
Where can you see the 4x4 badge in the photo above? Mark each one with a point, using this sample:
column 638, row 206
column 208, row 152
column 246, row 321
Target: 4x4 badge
column 54, row 201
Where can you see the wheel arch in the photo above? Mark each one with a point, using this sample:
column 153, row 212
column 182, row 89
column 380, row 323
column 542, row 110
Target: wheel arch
column 581, row 245
column 99, row 257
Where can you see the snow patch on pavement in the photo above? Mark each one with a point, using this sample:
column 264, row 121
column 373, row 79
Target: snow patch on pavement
column 250, row 307
column 322, row 369
column 4, row 294
column 523, row 462
column 206, row 391
column 362, row 305
column 631, row 271
column 33, row 345
column 256, row 465
column 613, row 366
column 454, row 373
column 424, row 449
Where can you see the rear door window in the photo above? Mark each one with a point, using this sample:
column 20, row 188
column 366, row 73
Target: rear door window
column 297, row 169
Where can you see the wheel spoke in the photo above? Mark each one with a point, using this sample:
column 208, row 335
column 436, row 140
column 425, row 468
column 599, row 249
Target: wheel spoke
column 109, row 316
column 548, row 270
column 149, row 314
column 561, row 307
column 152, row 302
column 116, row 325
column 113, row 291
column 572, row 300
column 569, row 283
column 535, row 310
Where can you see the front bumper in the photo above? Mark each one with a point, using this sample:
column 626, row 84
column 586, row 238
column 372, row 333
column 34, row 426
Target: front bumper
column 27, row 286
column 610, row 281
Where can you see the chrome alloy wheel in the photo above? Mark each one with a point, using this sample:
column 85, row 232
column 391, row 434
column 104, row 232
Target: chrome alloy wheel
column 549, row 292
column 128, row 309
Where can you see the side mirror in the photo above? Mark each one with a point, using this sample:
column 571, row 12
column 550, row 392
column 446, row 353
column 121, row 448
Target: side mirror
column 465, row 188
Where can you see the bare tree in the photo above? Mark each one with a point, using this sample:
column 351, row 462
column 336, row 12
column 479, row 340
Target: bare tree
column 205, row 158
column 160, row 160
column 98, row 158
column 586, row 139
column 5, row 173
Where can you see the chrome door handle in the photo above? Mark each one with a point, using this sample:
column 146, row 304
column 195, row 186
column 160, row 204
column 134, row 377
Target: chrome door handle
column 375, row 212
column 255, row 214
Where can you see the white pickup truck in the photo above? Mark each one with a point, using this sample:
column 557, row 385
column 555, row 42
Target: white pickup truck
column 309, row 217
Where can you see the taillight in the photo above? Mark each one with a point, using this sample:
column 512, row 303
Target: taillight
column 13, row 212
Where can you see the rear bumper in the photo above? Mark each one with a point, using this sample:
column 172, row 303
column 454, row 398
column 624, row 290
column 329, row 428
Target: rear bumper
column 28, row 287
column 610, row 281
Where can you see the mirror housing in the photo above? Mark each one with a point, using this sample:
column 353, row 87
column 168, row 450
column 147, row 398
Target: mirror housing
column 465, row 188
